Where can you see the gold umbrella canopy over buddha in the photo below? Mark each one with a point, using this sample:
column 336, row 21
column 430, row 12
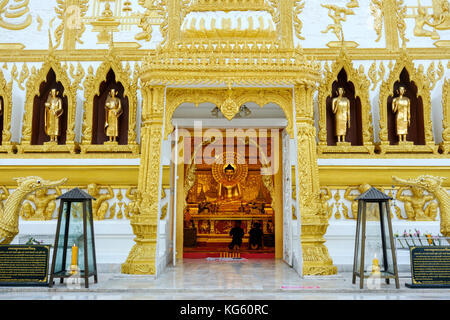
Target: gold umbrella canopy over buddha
column 229, row 168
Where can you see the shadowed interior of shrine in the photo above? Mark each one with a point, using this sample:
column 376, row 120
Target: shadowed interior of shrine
column 229, row 189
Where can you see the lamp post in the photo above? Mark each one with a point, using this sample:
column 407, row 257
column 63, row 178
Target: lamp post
column 74, row 233
column 381, row 228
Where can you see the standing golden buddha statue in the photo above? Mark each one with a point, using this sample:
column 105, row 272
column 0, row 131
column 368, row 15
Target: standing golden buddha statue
column 341, row 108
column 113, row 108
column 53, row 111
column 401, row 106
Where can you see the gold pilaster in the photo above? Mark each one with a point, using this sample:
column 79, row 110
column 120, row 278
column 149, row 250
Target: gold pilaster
column 316, row 259
column 141, row 259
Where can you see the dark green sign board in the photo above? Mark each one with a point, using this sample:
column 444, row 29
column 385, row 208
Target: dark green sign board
column 24, row 265
column 430, row 267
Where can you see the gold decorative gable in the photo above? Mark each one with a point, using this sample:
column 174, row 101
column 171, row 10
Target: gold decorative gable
column 33, row 84
column 92, row 88
column 418, row 78
column 361, row 84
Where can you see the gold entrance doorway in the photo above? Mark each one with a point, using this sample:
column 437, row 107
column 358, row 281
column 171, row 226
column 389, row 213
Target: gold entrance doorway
column 230, row 176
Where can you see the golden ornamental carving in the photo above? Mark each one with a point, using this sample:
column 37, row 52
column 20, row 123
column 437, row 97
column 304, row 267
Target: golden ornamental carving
column 11, row 11
column 44, row 205
column 155, row 14
column 375, row 75
column 361, row 84
column 24, row 73
column 433, row 185
column 418, row 206
column 429, row 20
column 237, row 96
column 33, row 84
column 298, row 24
column 9, row 212
column 92, row 88
column 376, row 9
column 400, row 15
column 445, row 145
column 338, row 15
column 5, row 113
column 72, row 26
column 420, row 80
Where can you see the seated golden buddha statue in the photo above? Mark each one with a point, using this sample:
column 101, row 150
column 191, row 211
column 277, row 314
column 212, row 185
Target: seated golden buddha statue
column 230, row 191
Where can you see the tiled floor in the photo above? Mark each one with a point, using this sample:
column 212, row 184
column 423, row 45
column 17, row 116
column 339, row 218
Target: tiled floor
column 211, row 280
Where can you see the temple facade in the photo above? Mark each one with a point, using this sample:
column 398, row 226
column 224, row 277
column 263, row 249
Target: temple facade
column 185, row 118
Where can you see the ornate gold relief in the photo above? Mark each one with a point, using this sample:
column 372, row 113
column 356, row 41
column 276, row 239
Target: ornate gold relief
column 361, row 85
column 418, row 206
column 11, row 10
column 44, row 205
column 338, row 15
column 228, row 101
column 5, row 114
column 423, row 84
column 92, row 88
column 445, row 145
column 429, row 20
column 72, row 26
column 33, row 84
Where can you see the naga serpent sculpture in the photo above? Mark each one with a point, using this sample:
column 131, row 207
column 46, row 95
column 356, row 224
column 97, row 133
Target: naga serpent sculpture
column 433, row 185
column 9, row 213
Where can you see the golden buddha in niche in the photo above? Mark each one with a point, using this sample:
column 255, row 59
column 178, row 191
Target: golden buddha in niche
column 401, row 107
column 230, row 189
column 53, row 110
column 341, row 108
column 113, row 109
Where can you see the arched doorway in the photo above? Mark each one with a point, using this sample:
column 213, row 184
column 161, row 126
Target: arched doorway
column 203, row 217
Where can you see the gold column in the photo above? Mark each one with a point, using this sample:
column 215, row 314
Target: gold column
column 316, row 259
column 141, row 259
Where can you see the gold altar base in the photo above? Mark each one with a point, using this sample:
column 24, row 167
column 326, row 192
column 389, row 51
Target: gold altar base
column 316, row 259
column 141, row 259
column 346, row 147
column 109, row 147
column 48, row 147
column 406, row 147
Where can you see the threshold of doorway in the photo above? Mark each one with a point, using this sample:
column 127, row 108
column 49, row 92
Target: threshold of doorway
column 204, row 255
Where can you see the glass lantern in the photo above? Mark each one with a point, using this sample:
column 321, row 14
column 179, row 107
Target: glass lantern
column 374, row 255
column 74, row 250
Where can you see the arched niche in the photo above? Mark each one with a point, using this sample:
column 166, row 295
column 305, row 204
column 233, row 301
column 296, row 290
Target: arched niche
column 354, row 133
column 416, row 130
column 38, row 135
column 359, row 137
column 99, row 113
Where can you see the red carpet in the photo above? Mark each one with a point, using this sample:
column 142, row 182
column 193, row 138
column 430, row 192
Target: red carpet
column 204, row 255
column 201, row 252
